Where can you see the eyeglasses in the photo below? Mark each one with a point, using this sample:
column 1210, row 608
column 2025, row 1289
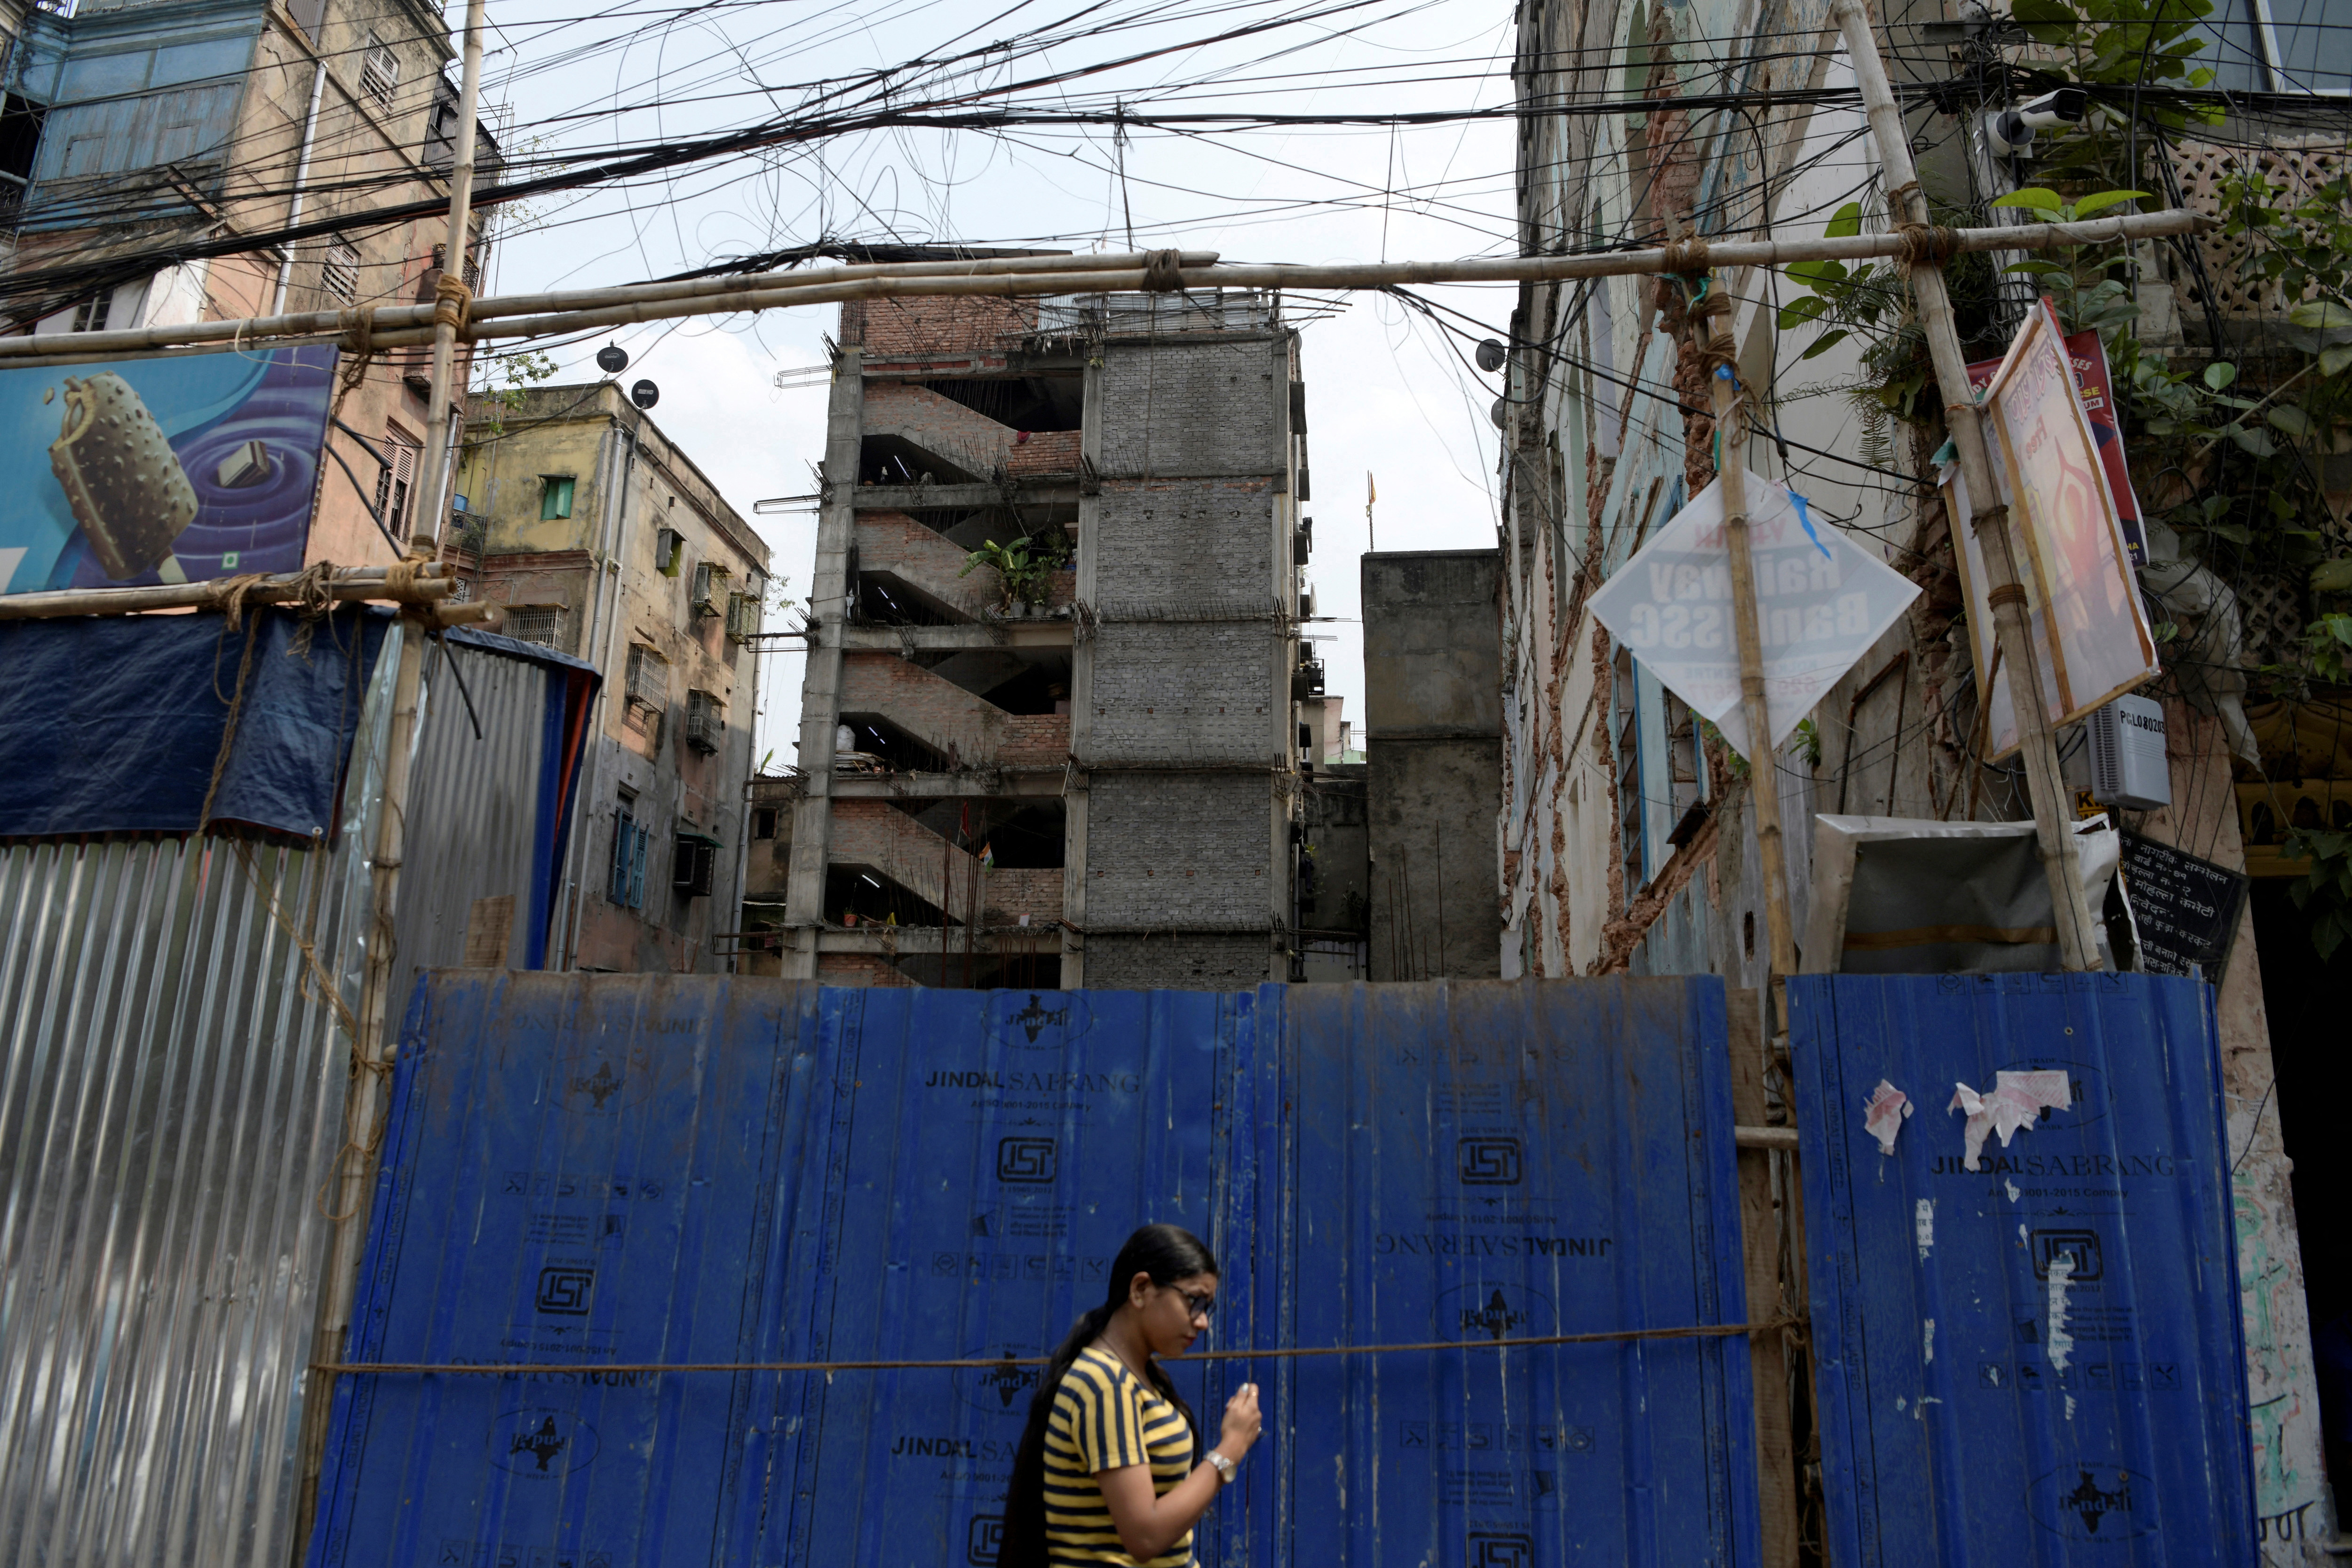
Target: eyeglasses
column 1198, row 1306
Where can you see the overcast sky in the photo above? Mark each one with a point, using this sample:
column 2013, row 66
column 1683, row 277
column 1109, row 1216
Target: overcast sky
column 1388, row 392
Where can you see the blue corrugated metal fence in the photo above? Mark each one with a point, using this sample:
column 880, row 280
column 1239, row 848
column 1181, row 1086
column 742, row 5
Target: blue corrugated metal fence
column 600, row 1174
column 2037, row 1361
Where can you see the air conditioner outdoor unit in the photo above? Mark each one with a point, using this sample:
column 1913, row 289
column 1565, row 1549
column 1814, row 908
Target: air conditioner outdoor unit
column 2128, row 762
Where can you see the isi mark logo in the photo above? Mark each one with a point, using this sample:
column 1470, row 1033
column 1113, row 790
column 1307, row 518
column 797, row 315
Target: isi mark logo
column 540, row 1444
column 1038, row 1020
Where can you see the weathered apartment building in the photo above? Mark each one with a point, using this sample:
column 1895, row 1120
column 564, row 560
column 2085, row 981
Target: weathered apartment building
column 1077, row 767
column 602, row 540
column 1626, row 837
column 131, row 128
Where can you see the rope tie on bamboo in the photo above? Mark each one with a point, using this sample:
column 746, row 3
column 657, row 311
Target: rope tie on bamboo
column 2006, row 594
column 400, row 580
column 1162, row 272
column 1683, row 257
column 452, row 303
column 1289, row 1352
column 358, row 344
column 1926, row 245
column 1899, row 199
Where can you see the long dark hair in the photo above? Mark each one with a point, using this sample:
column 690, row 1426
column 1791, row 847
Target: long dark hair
column 1167, row 1253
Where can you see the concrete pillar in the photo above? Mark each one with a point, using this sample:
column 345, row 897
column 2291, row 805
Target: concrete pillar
column 836, row 533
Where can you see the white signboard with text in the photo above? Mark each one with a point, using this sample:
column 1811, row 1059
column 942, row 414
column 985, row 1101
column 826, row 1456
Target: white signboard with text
column 1821, row 601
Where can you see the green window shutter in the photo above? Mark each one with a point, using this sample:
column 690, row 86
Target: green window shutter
column 555, row 496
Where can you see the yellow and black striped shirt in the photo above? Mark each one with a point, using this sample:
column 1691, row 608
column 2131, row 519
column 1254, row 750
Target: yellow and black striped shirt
column 1106, row 1418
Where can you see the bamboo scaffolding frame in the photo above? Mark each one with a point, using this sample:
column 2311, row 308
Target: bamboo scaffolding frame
column 432, row 582
column 549, row 315
column 2053, row 831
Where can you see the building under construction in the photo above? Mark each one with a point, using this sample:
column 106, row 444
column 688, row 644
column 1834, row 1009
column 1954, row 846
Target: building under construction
column 1052, row 726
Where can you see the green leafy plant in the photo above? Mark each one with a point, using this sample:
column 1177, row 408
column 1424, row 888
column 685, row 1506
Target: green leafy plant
column 1024, row 568
column 502, row 383
column 2327, row 885
column 1809, row 742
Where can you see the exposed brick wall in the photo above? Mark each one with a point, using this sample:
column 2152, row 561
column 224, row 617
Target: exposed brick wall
column 857, row 969
column 1185, row 543
column 1187, row 961
column 965, row 325
column 1204, row 409
column 1045, row 452
column 1186, row 692
column 946, row 716
column 1178, row 850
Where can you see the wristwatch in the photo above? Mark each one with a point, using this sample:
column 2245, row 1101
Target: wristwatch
column 1225, row 1467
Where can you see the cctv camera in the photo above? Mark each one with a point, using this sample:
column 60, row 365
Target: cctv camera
column 2011, row 131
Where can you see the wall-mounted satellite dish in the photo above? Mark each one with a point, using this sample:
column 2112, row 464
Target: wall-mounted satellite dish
column 645, row 394
column 1492, row 355
column 1501, row 414
column 612, row 359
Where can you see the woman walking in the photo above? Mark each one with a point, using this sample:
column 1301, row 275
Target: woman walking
column 1106, row 1471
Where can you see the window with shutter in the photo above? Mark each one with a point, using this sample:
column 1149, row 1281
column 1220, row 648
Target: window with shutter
column 379, row 72
column 396, row 483
column 339, row 273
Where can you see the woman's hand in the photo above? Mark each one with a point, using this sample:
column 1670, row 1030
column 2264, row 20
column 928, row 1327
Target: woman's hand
column 1242, row 1422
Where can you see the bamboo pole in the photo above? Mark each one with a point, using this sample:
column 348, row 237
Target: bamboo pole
column 2078, row 939
column 389, row 318
column 525, row 316
column 449, row 309
column 347, row 584
column 1747, row 634
column 349, row 1186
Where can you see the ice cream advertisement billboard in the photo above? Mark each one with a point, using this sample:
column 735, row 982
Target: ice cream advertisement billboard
column 160, row 470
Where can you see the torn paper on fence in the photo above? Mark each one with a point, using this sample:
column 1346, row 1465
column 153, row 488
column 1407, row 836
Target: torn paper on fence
column 1821, row 601
column 1883, row 1116
column 2017, row 1100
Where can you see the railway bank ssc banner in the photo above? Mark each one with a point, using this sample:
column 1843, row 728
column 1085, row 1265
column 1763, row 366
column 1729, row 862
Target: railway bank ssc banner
column 1821, row 601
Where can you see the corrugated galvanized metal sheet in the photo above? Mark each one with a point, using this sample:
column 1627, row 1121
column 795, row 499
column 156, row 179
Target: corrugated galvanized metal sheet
column 488, row 811
column 172, row 1067
column 870, row 1174
column 1469, row 1162
column 172, row 1076
column 2038, row 1360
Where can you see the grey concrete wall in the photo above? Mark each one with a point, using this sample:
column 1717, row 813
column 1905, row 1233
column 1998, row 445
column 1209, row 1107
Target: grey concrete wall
column 1187, row 570
column 1183, row 692
column 1184, row 542
column 1179, row 851
column 1182, row 961
column 1436, row 912
column 1433, row 650
column 1199, row 409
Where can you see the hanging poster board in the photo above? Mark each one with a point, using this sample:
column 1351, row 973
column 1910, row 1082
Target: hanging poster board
column 180, row 468
column 2082, row 603
column 2089, row 358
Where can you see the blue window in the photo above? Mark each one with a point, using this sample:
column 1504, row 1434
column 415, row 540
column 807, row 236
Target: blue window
column 630, row 837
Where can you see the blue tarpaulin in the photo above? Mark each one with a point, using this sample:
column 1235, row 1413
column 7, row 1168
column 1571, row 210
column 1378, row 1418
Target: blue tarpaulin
column 598, row 1174
column 2037, row 1360
column 113, row 724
